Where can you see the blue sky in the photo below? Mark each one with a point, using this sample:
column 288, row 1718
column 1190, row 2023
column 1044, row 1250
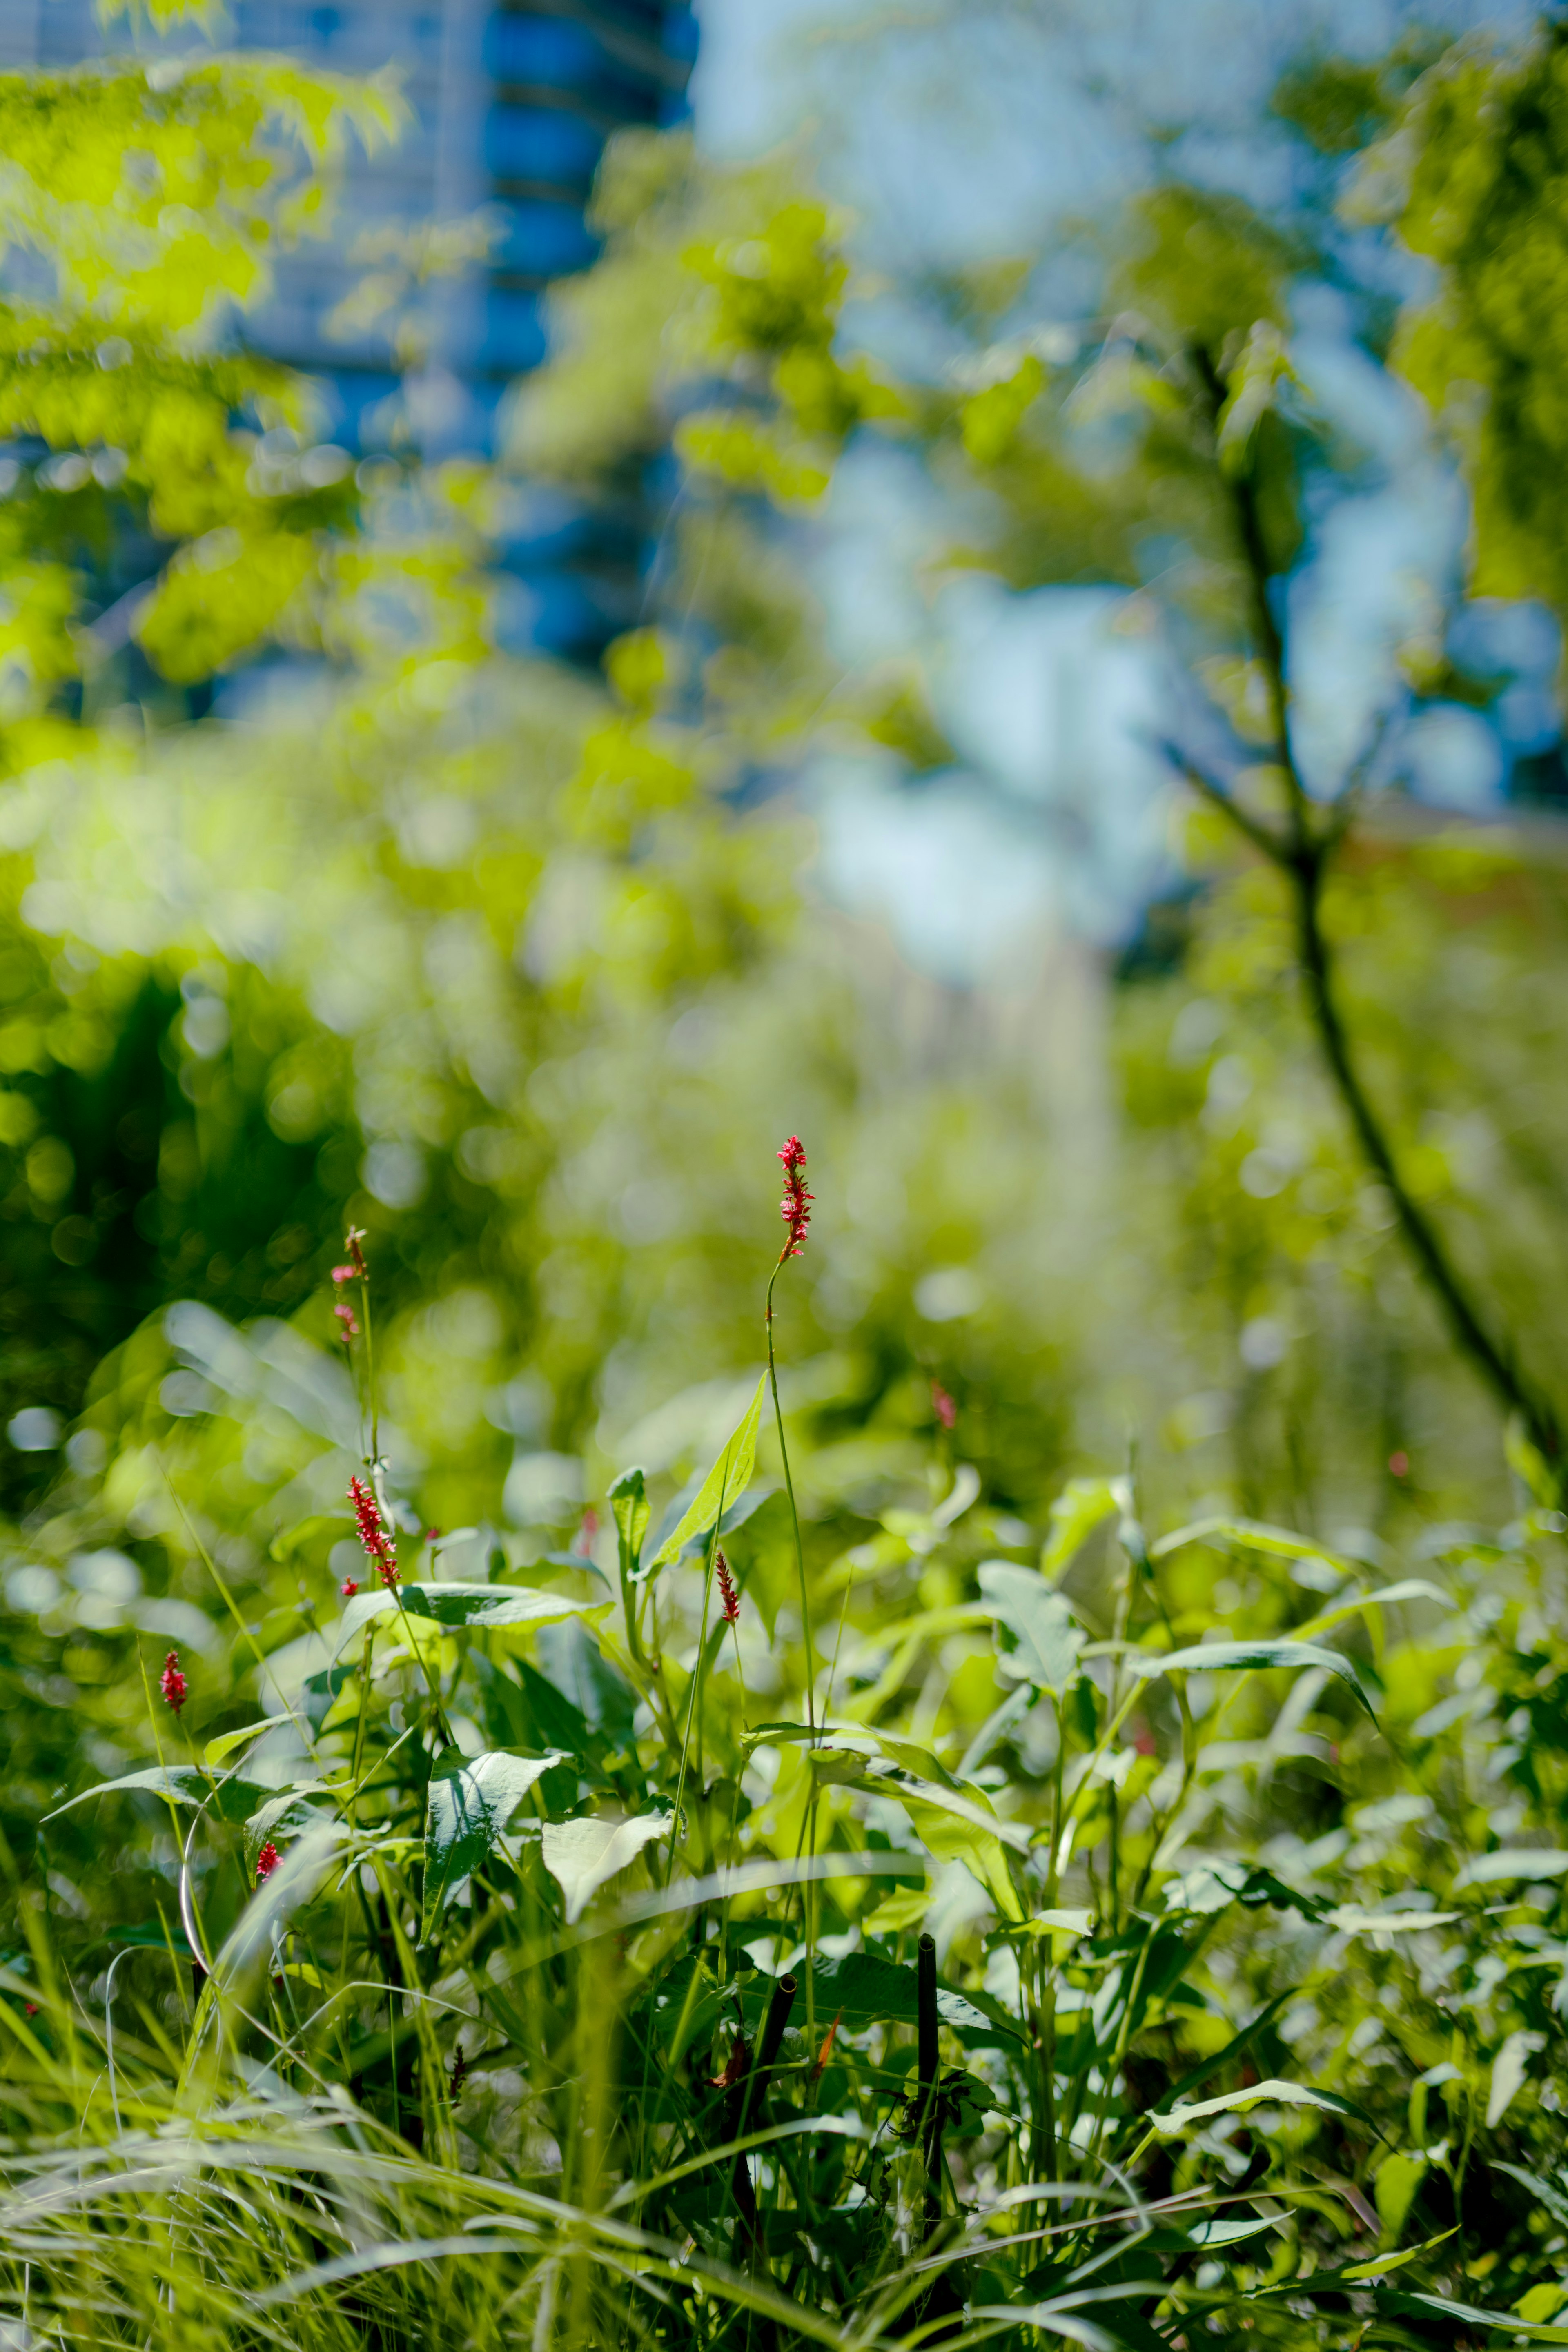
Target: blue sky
column 955, row 132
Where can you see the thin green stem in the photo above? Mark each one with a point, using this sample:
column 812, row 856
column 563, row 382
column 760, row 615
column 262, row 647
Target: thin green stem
column 698, row 1667
column 794, row 1510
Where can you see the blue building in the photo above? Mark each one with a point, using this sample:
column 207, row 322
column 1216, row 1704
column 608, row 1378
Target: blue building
column 512, row 106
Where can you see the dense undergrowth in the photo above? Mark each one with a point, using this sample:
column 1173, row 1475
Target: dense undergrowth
column 684, row 1923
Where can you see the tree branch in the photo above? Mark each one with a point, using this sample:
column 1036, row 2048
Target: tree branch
column 1305, row 860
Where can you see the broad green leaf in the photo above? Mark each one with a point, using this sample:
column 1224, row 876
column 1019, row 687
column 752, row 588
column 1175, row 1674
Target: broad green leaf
column 1083, row 1505
column 1273, row 2093
column 1038, row 1640
column 953, row 1836
column 216, row 1749
column 1247, row 1658
column 725, row 1484
column 868, row 1990
column 1511, row 1863
column 470, row 1801
column 232, row 1798
column 581, row 1855
column 1393, row 2191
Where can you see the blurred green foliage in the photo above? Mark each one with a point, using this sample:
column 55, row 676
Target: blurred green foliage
column 524, row 973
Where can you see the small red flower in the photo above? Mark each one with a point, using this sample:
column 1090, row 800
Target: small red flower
column 942, row 1405
column 31, row 2007
column 1143, row 1740
column 348, row 1321
column 373, row 1533
column 348, row 1588
column 729, row 1598
column 172, row 1682
column 1399, row 1464
column 587, row 1531
column 342, row 1274
column 266, row 1863
column 432, row 1535
column 795, row 1206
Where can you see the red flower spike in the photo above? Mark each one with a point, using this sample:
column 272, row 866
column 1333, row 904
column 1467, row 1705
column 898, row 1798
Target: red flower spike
column 587, row 1531
column 172, row 1682
column 729, row 1598
column 373, row 1533
column 266, row 1862
column 942, row 1405
column 346, row 1317
column 348, row 1588
column 795, row 1206
column 342, row 1274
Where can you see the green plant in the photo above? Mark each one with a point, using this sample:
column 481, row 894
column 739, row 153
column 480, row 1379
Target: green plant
column 489, row 1966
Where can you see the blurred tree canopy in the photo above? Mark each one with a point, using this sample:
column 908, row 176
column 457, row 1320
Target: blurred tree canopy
column 512, row 965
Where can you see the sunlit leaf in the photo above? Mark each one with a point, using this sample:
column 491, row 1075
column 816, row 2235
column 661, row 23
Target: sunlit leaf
column 583, row 1856
column 231, row 1800
column 216, row 1749
column 1512, row 1863
column 1083, row 1505
column 1247, row 1658
column 725, row 1484
column 468, row 1804
column 1272, row 2093
column 1037, row 1639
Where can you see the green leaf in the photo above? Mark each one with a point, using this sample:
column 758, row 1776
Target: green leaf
column 489, row 1608
column 1351, row 1920
column 631, row 1508
column 1083, row 1505
column 233, row 1800
column 1249, row 1536
column 468, row 1804
column 1247, row 1657
column 1511, row 1863
column 1038, row 1640
column 216, row 1749
column 869, row 1990
column 1407, row 2304
column 1410, row 1587
column 581, row 1855
column 1551, row 2193
column 725, row 1484
column 1273, row 2093
column 1379, row 2265
column 287, row 1815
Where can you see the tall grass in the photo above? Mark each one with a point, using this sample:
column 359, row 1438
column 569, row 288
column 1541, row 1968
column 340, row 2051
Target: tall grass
column 1082, row 1934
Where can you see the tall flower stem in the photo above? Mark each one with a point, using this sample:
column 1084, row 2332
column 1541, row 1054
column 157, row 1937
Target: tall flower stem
column 794, row 1508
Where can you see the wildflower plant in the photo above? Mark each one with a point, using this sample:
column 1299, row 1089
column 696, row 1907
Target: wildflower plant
column 523, row 1980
